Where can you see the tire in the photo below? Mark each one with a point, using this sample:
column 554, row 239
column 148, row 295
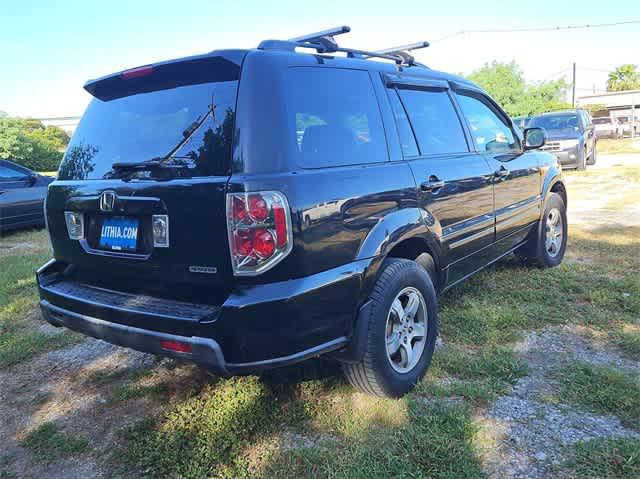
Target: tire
column 592, row 159
column 582, row 162
column 392, row 375
column 538, row 251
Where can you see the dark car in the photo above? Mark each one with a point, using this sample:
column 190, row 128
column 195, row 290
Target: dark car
column 22, row 194
column 522, row 122
column 570, row 136
column 249, row 209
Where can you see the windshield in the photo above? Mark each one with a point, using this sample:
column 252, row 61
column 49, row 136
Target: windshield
column 559, row 122
column 152, row 125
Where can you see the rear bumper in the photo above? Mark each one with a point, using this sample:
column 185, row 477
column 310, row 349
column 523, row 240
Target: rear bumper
column 205, row 352
column 257, row 327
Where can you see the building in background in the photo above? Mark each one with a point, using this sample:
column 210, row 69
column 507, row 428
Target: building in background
column 622, row 105
column 67, row 123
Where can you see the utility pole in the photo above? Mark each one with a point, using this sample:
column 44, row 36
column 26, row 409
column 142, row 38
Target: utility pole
column 573, row 86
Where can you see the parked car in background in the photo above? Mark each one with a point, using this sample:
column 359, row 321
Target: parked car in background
column 22, row 193
column 570, row 136
column 522, row 121
column 292, row 205
column 607, row 127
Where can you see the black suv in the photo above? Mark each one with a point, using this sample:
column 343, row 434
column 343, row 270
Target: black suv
column 571, row 137
column 249, row 209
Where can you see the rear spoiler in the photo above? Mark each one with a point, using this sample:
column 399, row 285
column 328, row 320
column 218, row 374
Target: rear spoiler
column 213, row 67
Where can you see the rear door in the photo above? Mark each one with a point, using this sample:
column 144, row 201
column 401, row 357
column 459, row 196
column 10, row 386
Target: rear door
column 454, row 183
column 516, row 174
column 182, row 114
column 20, row 197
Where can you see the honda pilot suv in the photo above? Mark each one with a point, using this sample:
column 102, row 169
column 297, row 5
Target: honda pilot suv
column 250, row 209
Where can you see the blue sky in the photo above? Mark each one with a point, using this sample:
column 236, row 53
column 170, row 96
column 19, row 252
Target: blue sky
column 49, row 49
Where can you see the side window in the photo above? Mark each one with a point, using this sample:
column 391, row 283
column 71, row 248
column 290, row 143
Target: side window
column 489, row 129
column 407, row 140
column 7, row 173
column 336, row 116
column 435, row 122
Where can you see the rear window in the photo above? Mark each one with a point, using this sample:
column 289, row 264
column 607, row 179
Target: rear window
column 334, row 117
column 153, row 125
column 602, row 121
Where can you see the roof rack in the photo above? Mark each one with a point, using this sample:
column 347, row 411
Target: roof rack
column 403, row 51
column 324, row 42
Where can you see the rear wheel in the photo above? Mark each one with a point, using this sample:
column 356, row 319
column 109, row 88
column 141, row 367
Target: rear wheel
column 547, row 246
column 401, row 333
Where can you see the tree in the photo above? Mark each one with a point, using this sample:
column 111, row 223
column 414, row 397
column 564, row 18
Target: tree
column 506, row 84
column 624, row 77
column 29, row 143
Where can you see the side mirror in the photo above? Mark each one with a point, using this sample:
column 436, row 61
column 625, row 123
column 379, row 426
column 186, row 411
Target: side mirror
column 534, row 138
column 33, row 177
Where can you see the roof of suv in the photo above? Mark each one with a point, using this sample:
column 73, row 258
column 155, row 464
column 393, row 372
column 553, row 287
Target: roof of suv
column 292, row 56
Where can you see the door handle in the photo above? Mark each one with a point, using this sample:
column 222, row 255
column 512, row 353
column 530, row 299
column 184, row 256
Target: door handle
column 502, row 173
column 434, row 183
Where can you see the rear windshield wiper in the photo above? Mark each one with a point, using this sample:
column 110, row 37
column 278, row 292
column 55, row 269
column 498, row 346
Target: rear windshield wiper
column 155, row 163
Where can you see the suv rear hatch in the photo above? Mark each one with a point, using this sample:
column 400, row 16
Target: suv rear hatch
column 153, row 145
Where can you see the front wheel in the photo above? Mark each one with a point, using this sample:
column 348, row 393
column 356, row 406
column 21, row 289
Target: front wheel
column 592, row 158
column 401, row 334
column 582, row 161
column 547, row 247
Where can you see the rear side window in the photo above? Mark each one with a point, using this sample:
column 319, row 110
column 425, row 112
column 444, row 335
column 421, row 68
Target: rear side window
column 334, row 118
column 407, row 140
column 435, row 122
column 489, row 129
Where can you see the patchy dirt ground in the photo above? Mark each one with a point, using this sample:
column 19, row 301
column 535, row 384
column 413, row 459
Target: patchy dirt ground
column 92, row 390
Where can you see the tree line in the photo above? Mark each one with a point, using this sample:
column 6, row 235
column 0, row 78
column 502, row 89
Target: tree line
column 29, row 143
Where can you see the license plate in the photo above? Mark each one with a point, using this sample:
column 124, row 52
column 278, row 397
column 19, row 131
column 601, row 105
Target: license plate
column 119, row 234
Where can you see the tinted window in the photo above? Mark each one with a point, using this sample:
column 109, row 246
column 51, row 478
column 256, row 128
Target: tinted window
column 179, row 122
column 335, row 118
column 489, row 129
column 407, row 140
column 7, row 172
column 556, row 122
column 434, row 121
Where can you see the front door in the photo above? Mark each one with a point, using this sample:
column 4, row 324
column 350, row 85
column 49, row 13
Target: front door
column 454, row 183
column 516, row 174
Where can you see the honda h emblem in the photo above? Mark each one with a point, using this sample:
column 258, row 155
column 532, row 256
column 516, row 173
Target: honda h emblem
column 107, row 201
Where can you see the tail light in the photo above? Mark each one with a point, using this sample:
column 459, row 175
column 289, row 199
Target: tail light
column 259, row 226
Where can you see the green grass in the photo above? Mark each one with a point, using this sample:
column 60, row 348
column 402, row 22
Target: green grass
column 435, row 441
column 48, row 443
column 602, row 390
column 21, row 253
column 479, row 376
column 626, row 145
column 604, row 459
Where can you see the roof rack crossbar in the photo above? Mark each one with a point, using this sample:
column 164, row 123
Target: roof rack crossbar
column 405, row 48
column 331, row 32
column 403, row 52
column 323, row 42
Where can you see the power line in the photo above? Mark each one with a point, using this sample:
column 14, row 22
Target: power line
column 539, row 29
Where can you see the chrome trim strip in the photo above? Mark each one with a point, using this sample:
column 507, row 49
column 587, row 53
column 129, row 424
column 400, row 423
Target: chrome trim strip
column 473, row 237
column 462, row 227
